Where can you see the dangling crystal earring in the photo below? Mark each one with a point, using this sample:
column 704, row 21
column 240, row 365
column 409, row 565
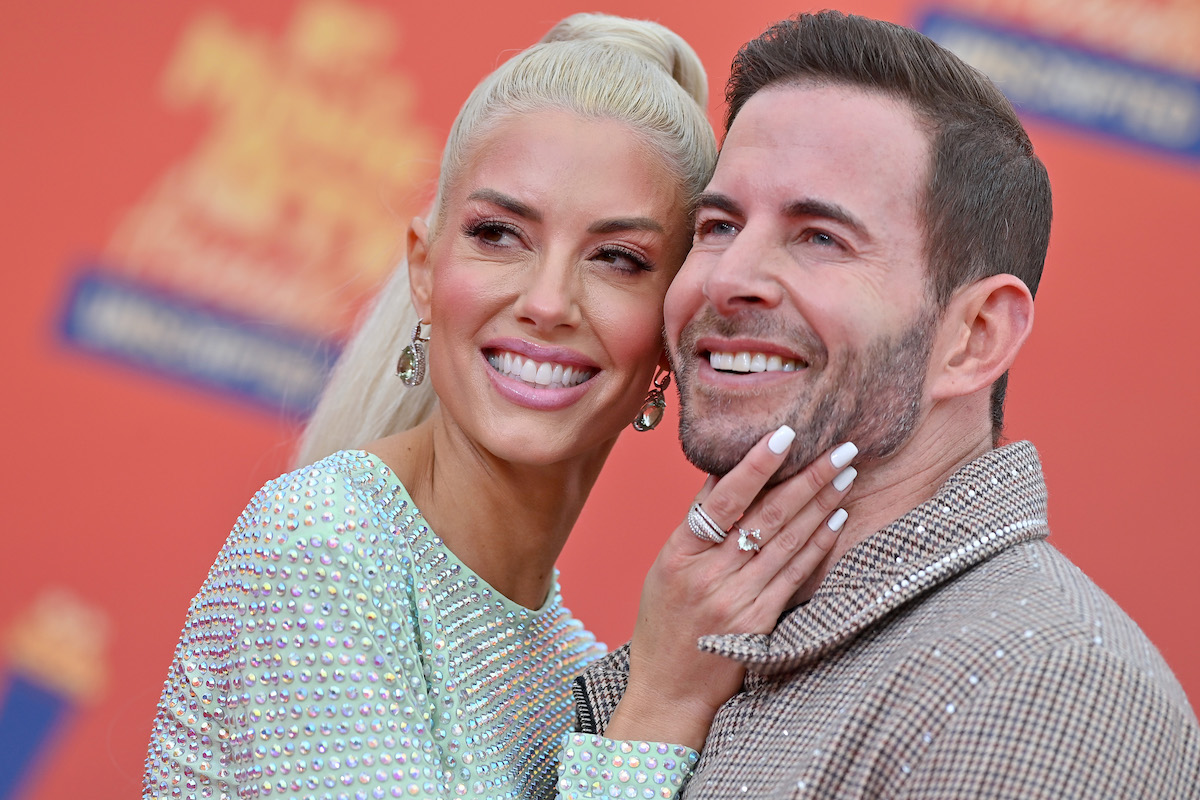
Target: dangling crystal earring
column 411, row 367
column 652, row 410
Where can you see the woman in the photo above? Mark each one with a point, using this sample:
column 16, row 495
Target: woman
column 341, row 648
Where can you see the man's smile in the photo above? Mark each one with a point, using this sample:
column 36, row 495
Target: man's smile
column 752, row 361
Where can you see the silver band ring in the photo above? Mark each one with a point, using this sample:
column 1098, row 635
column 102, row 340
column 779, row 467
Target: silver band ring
column 748, row 540
column 703, row 526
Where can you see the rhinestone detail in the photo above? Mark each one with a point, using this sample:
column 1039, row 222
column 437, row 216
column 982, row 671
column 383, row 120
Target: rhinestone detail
column 593, row 766
column 338, row 649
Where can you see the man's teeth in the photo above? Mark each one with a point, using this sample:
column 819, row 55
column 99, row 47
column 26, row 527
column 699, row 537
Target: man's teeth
column 746, row 361
column 538, row 373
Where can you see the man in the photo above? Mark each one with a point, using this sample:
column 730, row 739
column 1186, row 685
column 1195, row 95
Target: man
column 878, row 219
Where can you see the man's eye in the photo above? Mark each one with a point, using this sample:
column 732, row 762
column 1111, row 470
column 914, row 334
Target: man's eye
column 821, row 239
column 716, row 227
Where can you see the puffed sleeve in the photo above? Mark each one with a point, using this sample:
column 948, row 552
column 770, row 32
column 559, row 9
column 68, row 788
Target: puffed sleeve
column 298, row 671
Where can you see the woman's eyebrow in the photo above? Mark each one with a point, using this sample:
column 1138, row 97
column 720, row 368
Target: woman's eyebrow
column 507, row 202
column 619, row 224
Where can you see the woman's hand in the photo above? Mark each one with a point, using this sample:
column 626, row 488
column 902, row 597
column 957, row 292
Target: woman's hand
column 698, row 587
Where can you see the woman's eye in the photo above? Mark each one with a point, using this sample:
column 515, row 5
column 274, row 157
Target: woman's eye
column 624, row 260
column 492, row 233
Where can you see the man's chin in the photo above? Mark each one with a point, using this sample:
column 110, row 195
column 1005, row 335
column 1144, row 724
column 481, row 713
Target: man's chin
column 715, row 449
column 718, row 456
column 714, row 461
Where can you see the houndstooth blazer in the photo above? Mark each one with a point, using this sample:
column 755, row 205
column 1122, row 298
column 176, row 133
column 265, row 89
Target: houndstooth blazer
column 954, row 654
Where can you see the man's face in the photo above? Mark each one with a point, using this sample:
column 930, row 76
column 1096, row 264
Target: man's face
column 803, row 300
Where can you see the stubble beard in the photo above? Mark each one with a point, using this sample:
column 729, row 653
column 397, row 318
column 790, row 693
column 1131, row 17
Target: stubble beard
column 874, row 400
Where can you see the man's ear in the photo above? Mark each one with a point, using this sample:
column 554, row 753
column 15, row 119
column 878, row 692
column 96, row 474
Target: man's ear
column 420, row 271
column 981, row 332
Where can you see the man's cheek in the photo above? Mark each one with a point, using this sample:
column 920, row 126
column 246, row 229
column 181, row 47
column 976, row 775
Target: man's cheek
column 678, row 307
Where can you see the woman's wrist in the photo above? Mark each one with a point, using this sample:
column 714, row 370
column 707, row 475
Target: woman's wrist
column 645, row 714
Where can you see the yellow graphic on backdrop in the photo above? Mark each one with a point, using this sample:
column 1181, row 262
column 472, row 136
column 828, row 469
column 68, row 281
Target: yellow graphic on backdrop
column 61, row 642
column 292, row 206
column 1160, row 32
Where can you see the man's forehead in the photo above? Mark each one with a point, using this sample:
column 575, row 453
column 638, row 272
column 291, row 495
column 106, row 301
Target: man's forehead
column 789, row 141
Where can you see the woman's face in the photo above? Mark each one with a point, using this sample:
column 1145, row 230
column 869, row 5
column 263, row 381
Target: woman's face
column 545, row 283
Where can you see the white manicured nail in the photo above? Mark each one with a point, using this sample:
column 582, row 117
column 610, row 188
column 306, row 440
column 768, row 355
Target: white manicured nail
column 780, row 440
column 842, row 455
column 845, row 478
column 837, row 520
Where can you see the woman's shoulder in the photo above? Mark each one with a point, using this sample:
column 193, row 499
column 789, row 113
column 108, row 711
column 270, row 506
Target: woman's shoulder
column 348, row 467
column 347, row 501
column 327, row 488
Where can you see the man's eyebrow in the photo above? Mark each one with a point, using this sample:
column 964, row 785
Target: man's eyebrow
column 810, row 207
column 619, row 224
column 807, row 207
column 721, row 202
column 506, row 202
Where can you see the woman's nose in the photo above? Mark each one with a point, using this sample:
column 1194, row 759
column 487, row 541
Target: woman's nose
column 549, row 298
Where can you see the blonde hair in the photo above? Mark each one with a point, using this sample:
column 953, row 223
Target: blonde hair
column 595, row 65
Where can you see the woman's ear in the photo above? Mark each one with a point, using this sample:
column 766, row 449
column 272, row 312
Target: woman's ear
column 981, row 332
column 664, row 361
column 420, row 271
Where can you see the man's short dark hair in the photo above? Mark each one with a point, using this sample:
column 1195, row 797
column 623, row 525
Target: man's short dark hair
column 987, row 204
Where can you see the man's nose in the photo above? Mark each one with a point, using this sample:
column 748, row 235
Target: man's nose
column 744, row 275
column 550, row 296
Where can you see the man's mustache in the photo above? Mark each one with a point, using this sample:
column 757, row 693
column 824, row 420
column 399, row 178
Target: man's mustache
column 750, row 324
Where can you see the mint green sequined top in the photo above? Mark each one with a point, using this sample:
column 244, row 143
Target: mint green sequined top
column 338, row 649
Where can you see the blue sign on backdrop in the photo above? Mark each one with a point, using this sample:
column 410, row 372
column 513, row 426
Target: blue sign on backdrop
column 172, row 335
column 1113, row 96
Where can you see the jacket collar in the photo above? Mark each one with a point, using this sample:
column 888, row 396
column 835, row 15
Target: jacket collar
column 994, row 502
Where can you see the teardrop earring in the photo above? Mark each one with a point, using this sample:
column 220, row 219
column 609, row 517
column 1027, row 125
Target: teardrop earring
column 656, row 401
column 410, row 368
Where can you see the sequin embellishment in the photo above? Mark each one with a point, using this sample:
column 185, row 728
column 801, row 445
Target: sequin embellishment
column 338, row 651
column 593, row 766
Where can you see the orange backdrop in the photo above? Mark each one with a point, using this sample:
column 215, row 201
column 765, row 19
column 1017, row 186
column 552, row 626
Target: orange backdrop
column 258, row 162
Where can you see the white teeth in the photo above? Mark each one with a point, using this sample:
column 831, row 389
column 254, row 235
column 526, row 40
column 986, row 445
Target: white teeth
column 745, row 361
column 538, row 373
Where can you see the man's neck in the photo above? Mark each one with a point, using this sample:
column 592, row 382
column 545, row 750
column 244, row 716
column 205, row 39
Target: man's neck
column 887, row 489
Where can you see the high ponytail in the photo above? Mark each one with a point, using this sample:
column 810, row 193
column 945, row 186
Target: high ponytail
column 595, row 65
column 651, row 40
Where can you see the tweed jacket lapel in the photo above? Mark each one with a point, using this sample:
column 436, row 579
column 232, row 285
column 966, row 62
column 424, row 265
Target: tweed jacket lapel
column 993, row 503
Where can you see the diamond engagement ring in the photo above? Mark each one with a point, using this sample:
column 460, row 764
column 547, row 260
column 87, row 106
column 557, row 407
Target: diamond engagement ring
column 703, row 526
column 748, row 540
